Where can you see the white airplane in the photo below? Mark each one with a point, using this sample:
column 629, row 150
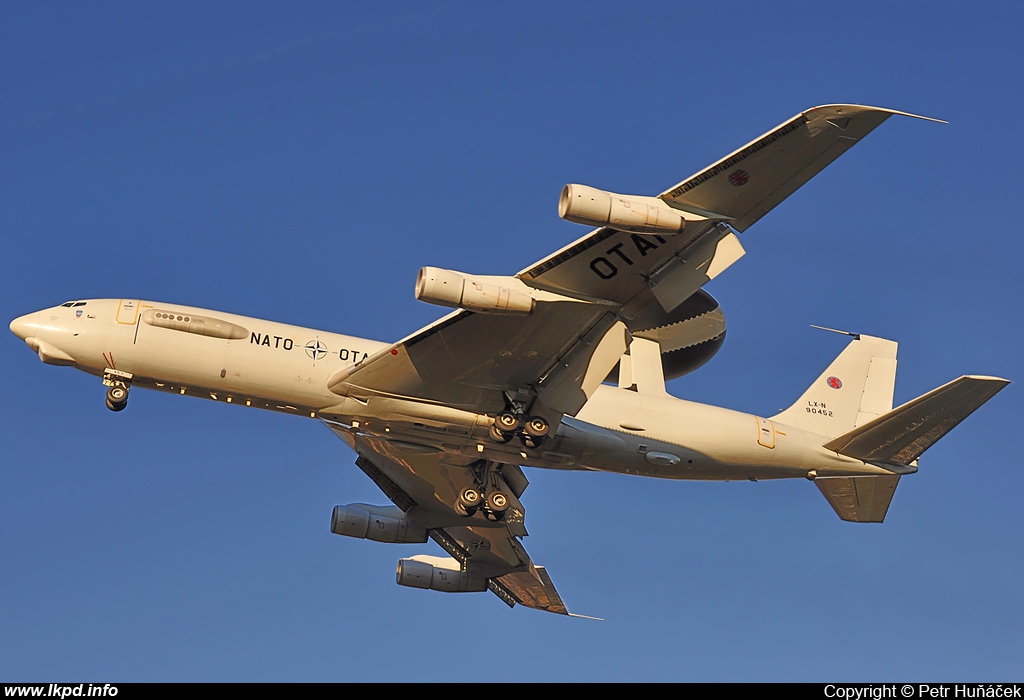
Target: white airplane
column 443, row 420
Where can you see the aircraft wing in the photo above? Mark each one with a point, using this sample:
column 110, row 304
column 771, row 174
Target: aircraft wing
column 423, row 482
column 467, row 360
column 648, row 283
column 588, row 299
column 737, row 190
column 753, row 180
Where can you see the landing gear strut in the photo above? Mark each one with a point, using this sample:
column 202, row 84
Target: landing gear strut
column 118, row 384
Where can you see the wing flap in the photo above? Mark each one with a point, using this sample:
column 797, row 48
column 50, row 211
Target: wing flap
column 903, row 434
column 468, row 359
column 678, row 280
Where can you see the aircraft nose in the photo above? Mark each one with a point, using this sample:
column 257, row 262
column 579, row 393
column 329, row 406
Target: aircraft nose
column 24, row 326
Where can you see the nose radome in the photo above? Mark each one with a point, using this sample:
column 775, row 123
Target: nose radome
column 24, row 326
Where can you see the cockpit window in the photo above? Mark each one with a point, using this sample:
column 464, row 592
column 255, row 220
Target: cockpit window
column 79, row 303
column 68, row 304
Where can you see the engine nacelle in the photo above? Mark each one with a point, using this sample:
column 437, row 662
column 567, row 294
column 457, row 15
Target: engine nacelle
column 589, row 205
column 437, row 574
column 378, row 523
column 485, row 294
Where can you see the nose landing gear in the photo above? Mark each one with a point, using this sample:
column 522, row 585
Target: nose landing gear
column 119, row 384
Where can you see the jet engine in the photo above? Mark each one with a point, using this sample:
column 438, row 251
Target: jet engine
column 589, row 205
column 496, row 295
column 437, row 574
column 378, row 523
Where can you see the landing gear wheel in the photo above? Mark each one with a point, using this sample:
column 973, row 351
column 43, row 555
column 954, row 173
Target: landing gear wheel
column 536, row 427
column 463, row 511
column 469, row 499
column 531, row 443
column 499, row 436
column 497, row 502
column 117, row 397
column 507, row 422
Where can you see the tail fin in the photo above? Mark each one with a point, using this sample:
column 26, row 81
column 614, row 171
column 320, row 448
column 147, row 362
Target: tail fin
column 856, row 388
column 900, row 436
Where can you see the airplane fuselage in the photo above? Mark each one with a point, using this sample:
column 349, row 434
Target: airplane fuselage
column 263, row 364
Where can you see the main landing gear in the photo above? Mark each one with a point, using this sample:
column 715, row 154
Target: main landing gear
column 531, row 429
column 118, row 383
column 486, row 493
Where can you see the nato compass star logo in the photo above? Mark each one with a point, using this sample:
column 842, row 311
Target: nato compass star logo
column 316, row 350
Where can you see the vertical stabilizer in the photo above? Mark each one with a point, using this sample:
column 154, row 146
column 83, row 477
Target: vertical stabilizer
column 855, row 389
column 641, row 370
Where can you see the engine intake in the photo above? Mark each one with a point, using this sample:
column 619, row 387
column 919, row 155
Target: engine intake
column 589, row 205
column 437, row 574
column 484, row 294
column 377, row 523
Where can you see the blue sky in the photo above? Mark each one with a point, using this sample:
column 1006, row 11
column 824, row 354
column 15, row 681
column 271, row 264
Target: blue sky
column 301, row 163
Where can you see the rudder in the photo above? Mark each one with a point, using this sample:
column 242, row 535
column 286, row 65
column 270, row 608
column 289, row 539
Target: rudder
column 855, row 389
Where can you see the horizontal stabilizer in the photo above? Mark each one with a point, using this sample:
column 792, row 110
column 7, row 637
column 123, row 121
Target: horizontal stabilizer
column 859, row 499
column 901, row 435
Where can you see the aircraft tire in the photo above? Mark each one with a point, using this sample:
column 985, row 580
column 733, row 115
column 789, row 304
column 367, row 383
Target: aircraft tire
column 116, row 406
column 469, row 498
column 531, row 443
column 117, row 394
column 497, row 502
column 499, row 436
column 536, row 427
column 507, row 422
